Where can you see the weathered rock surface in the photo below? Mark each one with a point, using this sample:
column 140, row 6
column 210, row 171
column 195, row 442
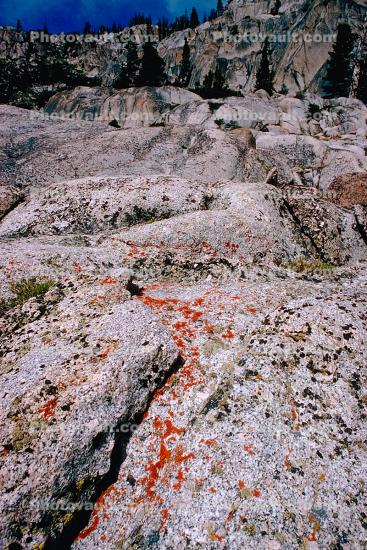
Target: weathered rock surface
column 78, row 367
column 348, row 191
column 169, row 255
column 130, row 108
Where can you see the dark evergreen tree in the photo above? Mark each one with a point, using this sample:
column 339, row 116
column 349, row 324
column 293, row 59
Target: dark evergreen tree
column 122, row 80
column 163, row 28
column 194, row 19
column 19, row 27
column 185, row 67
column 339, row 75
column 218, row 81
column 264, row 75
column 220, row 8
column 275, row 9
column 152, row 67
column 212, row 15
column 362, row 83
column 208, row 80
column 87, row 28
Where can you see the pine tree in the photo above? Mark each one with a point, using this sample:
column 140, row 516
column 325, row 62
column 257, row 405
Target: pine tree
column 185, row 67
column 362, row 83
column 218, row 80
column 194, row 19
column 19, row 27
column 339, row 75
column 264, row 75
column 87, row 28
column 152, row 67
column 220, row 8
column 208, row 80
column 122, row 81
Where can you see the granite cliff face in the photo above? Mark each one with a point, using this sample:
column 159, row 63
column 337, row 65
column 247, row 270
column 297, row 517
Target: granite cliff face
column 300, row 34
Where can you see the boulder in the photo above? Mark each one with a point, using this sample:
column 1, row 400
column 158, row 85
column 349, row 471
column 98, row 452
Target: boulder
column 348, row 191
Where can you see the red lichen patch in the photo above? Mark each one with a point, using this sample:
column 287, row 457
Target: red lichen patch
column 233, row 247
column 108, row 281
column 209, row 442
column 165, row 516
column 48, row 410
column 249, row 449
column 157, row 424
column 99, row 512
column 212, row 490
column 77, row 268
column 180, row 479
column 180, row 456
column 256, row 492
column 251, row 309
column 294, row 416
column 241, row 484
column 228, row 335
column 312, row 537
column 104, row 353
column 287, row 462
column 93, row 524
column 214, row 537
column 171, row 429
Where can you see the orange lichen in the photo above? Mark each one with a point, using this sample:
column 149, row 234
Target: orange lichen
column 249, row 449
column 104, row 353
column 48, row 410
column 256, row 492
column 251, row 309
column 165, row 516
column 209, row 442
column 93, row 524
column 171, row 429
column 108, row 281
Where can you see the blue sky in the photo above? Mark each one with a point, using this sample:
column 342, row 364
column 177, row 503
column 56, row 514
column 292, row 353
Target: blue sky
column 70, row 15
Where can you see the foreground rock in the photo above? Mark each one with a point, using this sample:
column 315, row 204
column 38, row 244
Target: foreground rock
column 78, row 367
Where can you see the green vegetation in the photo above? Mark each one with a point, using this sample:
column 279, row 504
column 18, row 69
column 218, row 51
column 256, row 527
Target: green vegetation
column 185, row 67
column 30, row 81
column 23, row 291
column 303, row 265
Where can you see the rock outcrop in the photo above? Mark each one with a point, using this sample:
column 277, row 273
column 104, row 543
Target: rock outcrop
column 183, row 316
column 301, row 35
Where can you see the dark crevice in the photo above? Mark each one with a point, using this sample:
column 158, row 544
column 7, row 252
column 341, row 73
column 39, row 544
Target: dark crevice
column 133, row 288
column 81, row 518
column 361, row 227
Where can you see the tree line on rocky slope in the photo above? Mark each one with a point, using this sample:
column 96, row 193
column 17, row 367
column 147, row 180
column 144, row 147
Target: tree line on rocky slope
column 31, row 80
column 349, row 52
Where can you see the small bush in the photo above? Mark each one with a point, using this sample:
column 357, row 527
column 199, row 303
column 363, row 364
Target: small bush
column 302, row 265
column 26, row 289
